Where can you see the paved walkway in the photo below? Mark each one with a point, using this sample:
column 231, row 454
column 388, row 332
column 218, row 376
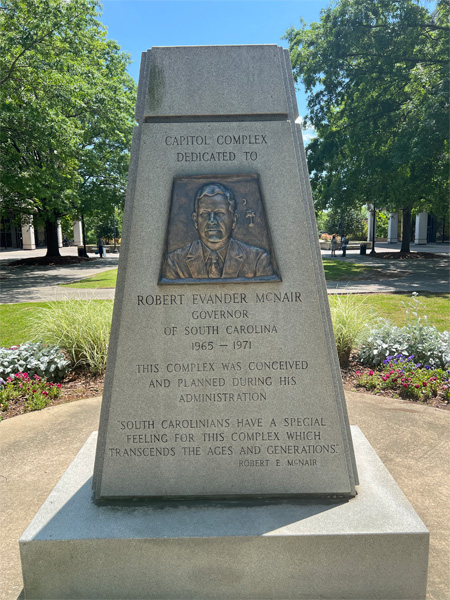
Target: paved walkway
column 411, row 440
column 37, row 284
column 33, row 284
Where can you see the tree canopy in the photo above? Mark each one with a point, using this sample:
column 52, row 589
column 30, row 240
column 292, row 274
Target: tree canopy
column 67, row 111
column 377, row 77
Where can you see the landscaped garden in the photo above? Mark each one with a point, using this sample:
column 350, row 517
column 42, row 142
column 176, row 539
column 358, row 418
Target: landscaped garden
column 388, row 344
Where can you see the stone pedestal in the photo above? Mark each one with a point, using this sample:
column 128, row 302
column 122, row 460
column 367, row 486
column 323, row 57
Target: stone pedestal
column 420, row 237
column 371, row 547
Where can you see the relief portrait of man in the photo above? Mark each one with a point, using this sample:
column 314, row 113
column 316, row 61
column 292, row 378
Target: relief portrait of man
column 216, row 254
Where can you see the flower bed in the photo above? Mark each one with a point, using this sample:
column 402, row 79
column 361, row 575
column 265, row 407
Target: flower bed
column 32, row 393
column 402, row 377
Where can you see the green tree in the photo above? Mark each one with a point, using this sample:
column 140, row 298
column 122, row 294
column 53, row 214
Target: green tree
column 67, row 112
column 351, row 221
column 377, row 77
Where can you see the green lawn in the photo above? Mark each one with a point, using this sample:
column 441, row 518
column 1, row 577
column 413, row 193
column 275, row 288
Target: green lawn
column 393, row 307
column 338, row 271
column 107, row 279
column 334, row 271
column 14, row 326
column 15, row 329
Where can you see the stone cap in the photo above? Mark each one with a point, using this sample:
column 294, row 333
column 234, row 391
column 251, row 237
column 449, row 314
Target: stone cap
column 209, row 81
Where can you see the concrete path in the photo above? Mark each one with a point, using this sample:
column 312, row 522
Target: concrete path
column 411, row 440
column 38, row 284
column 33, row 284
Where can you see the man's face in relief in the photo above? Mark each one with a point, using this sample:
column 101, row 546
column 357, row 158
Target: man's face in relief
column 214, row 221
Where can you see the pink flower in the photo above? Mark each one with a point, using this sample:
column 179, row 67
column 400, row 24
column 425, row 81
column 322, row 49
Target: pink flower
column 371, row 373
column 58, row 385
column 424, row 384
column 45, row 393
column 417, row 385
column 37, row 377
column 405, row 385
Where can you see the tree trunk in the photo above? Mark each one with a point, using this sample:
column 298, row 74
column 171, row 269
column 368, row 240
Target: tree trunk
column 51, row 230
column 406, row 230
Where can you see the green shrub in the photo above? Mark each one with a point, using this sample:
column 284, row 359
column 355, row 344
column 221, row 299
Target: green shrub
column 81, row 329
column 350, row 316
column 416, row 338
column 34, row 359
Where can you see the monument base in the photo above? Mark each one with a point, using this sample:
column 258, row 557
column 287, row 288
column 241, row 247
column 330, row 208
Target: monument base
column 374, row 546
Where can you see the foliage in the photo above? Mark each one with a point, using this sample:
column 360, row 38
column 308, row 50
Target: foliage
column 67, row 112
column 351, row 221
column 35, row 359
column 36, row 391
column 377, row 77
column 416, row 338
column 81, row 329
column 350, row 316
column 407, row 378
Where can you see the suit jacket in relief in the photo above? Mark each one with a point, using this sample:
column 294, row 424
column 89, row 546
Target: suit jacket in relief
column 242, row 261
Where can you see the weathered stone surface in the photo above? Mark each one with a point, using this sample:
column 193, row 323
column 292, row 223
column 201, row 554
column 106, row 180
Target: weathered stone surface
column 222, row 388
column 213, row 81
column 371, row 547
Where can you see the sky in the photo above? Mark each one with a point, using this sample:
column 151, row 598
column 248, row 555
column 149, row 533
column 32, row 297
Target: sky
column 137, row 25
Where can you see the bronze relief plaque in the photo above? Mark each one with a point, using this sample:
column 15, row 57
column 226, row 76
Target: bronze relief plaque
column 217, row 232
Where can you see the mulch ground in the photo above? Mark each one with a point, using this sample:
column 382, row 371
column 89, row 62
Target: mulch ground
column 407, row 255
column 44, row 261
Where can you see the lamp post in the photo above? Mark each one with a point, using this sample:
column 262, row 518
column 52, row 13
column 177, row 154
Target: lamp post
column 374, row 222
column 114, row 226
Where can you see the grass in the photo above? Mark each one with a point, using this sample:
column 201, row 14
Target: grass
column 392, row 307
column 349, row 314
column 80, row 328
column 107, row 279
column 334, row 271
column 337, row 271
column 15, row 327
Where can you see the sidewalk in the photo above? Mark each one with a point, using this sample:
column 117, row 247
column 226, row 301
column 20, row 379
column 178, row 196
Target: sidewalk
column 411, row 440
column 34, row 284
column 41, row 284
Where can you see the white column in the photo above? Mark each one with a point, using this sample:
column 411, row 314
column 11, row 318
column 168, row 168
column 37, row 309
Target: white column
column 393, row 228
column 370, row 227
column 28, row 240
column 421, row 228
column 59, row 230
column 77, row 233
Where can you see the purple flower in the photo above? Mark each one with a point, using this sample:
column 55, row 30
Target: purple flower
column 2, row 381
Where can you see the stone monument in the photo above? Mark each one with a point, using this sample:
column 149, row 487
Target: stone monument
column 225, row 465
